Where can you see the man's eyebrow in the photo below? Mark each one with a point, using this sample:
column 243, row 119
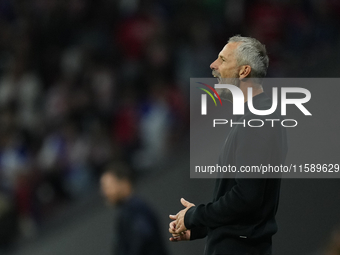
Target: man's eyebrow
column 220, row 56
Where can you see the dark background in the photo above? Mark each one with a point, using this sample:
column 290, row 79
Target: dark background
column 84, row 81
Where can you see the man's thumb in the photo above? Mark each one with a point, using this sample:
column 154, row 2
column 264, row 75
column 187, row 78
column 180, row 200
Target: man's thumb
column 173, row 217
column 184, row 202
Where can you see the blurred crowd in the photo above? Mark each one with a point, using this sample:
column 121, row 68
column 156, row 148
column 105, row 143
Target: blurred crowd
column 85, row 81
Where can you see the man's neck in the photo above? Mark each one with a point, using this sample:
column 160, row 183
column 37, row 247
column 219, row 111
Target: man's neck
column 256, row 89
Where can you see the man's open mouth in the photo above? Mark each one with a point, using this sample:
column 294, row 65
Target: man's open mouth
column 216, row 75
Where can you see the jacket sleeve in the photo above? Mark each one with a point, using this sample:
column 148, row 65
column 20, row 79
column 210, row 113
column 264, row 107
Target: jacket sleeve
column 198, row 233
column 253, row 147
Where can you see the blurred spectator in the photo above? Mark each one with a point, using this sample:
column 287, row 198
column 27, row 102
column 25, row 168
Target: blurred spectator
column 67, row 153
column 125, row 124
column 21, row 87
column 101, row 148
column 154, row 128
column 195, row 54
column 137, row 230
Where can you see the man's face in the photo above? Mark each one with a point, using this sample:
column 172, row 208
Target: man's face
column 226, row 70
column 110, row 187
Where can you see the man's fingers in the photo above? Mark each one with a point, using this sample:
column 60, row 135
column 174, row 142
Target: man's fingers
column 180, row 229
column 171, row 239
column 174, row 235
column 171, row 231
column 172, row 225
column 180, row 237
column 174, row 239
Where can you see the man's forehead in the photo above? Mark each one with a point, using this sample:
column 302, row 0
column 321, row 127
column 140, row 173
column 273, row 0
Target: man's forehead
column 228, row 49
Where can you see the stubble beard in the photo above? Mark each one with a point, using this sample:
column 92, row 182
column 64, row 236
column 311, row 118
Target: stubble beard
column 225, row 94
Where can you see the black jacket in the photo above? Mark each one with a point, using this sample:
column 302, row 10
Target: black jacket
column 138, row 231
column 241, row 217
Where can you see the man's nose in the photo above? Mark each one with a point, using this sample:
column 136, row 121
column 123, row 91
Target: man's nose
column 213, row 65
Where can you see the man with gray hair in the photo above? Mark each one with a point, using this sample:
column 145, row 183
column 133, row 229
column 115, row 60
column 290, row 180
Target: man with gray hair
column 241, row 218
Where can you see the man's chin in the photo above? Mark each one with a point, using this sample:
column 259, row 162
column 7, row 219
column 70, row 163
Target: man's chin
column 224, row 94
column 231, row 81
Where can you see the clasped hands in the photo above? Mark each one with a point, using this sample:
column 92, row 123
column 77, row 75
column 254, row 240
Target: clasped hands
column 176, row 227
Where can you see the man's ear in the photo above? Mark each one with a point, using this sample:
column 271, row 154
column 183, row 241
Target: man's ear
column 244, row 71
